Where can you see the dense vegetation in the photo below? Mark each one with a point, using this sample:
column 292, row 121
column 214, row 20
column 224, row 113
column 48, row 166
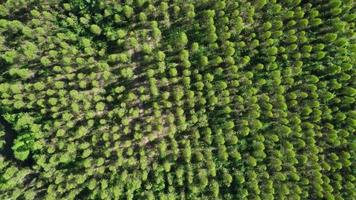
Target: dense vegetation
column 177, row 99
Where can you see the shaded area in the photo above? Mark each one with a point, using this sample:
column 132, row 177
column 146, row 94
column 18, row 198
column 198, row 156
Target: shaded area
column 6, row 151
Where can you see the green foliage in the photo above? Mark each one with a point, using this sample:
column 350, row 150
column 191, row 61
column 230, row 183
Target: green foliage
column 138, row 99
column 95, row 29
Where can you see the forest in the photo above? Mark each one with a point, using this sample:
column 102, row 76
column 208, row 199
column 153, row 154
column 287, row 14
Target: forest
column 177, row 99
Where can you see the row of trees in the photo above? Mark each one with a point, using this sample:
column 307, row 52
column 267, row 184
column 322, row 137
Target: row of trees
column 178, row 99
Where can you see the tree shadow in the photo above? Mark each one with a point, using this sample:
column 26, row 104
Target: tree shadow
column 6, row 151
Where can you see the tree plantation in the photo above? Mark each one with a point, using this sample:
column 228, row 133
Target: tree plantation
column 177, row 99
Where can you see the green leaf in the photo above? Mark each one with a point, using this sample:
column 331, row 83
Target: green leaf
column 22, row 155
